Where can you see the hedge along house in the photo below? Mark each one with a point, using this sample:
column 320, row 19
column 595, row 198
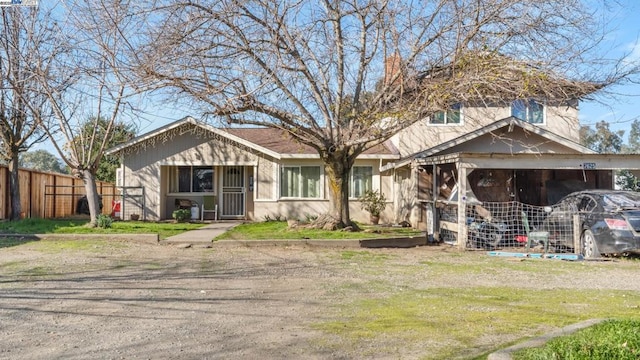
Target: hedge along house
column 250, row 173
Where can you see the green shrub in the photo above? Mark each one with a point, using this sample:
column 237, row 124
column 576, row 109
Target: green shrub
column 181, row 215
column 104, row 221
column 373, row 202
column 277, row 218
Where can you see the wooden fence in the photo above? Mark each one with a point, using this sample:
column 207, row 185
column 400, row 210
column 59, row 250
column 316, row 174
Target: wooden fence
column 62, row 194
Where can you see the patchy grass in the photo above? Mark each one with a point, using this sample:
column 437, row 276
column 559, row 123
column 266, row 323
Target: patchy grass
column 363, row 256
column 79, row 226
column 459, row 317
column 455, row 318
column 378, row 303
column 88, row 246
column 278, row 230
column 609, row 340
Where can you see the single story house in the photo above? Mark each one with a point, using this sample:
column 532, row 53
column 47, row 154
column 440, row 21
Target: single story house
column 249, row 173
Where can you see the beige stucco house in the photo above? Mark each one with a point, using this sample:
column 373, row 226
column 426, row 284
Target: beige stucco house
column 515, row 152
column 249, row 173
column 509, row 160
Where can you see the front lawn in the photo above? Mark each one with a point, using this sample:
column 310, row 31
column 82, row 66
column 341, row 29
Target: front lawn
column 78, row 226
column 249, row 231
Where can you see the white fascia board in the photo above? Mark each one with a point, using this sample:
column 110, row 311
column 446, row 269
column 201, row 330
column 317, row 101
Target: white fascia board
column 387, row 167
column 299, row 156
column 215, row 163
column 360, row 157
column 375, row 157
column 193, row 121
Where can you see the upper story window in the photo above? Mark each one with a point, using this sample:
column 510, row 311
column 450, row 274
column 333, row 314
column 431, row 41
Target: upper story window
column 361, row 180
column 528, row 110
column 186, row 179
column 300, row 182
column 453, row 116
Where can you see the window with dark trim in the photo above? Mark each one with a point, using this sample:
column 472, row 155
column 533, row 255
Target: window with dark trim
column 452, row 116
column 191, row 179
column 528, row 110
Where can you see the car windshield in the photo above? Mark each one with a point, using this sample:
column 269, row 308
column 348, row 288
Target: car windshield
column 622, row 200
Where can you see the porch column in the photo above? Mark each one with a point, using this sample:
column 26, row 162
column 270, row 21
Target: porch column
column 462, row 206
column 435, row 226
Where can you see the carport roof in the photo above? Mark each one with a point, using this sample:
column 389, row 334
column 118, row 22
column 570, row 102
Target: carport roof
column 503, row 126
column 554, row 161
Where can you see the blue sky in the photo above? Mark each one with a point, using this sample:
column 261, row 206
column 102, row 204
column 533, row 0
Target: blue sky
column 620, row 110
column 624, row 106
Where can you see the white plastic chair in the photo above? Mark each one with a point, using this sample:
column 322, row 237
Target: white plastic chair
column 209, row 205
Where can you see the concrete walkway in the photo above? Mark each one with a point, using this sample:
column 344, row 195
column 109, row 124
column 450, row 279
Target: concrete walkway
column 203, row 235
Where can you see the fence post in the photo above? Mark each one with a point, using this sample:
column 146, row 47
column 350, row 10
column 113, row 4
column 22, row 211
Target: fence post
column 123, row 201
column 144, row 208
column 577, row 244
column 30, row 194
column 55, row 193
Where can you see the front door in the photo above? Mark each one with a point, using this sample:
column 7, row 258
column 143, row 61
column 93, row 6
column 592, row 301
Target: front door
column 233, row 192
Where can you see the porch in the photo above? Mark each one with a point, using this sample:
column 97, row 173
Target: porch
column 216, row 192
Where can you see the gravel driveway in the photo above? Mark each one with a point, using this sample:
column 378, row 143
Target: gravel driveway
column 136, row 301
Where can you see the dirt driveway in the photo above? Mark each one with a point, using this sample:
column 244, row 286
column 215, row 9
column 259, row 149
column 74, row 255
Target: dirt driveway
column 99, row 300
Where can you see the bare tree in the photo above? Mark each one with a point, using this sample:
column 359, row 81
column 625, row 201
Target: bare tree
column 27, row 48
column 86, row 113
column 344, row 75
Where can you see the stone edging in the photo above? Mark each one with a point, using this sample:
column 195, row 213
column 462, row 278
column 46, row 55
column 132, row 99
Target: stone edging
column 505, row 354
column 405, row 242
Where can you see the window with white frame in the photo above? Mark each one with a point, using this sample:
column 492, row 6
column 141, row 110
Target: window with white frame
column 452, row 116
column 191, row 179
column 300, row 182
column 528, row 110
column 361, row 180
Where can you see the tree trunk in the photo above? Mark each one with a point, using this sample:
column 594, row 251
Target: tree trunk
column 338, row 178
column 14, row 188
column 337, row 168
column 89, row 180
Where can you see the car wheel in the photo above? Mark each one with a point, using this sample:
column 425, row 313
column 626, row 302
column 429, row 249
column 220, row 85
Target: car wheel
column 493, row 237
column 589, row 246
column 478, row 241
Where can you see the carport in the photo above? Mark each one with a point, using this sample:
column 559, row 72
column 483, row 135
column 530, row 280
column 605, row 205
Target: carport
column 516, row 181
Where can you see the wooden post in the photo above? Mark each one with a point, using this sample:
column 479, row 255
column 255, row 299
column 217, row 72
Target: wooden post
column 7, row 191
column 55, row 193
column 30, row 192
column 462, row 206
column 73, row 197
column 434, row 196
column 577, row 234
